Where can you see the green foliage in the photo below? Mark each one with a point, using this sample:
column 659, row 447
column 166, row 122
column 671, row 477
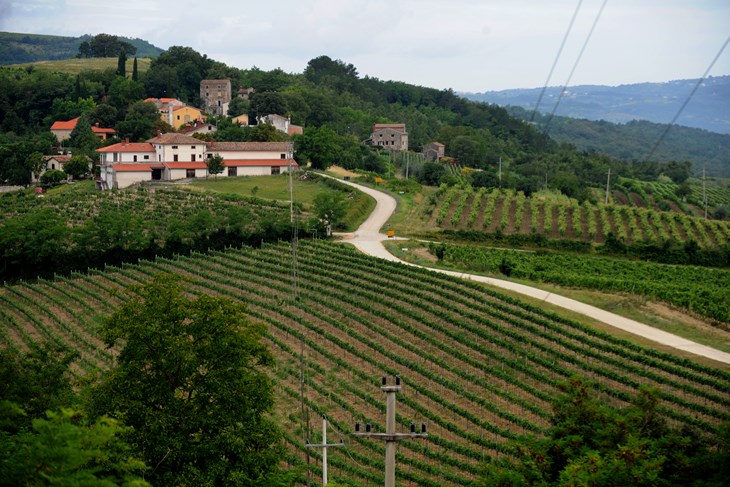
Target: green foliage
column 142, row 122
column 330, row 208
column 265, row 132
column 66, row 450
column 191, row 380
column 105, row 45
column 591, row 443
column 77, row 167
column 36, row 380
column 238, row 106
column 215, row 164
column 125, row 91
column 122, row 64
column 83, row 139
column 53, row 177
column 65, row 232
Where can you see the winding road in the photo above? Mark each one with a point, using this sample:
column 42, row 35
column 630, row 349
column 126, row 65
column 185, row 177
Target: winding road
column 369, row 240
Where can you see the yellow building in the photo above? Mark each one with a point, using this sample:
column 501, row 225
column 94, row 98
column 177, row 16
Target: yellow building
column 180, row 115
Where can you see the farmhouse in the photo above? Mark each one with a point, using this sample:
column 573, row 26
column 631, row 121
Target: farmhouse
column 62, row 129
column 392, row 136
column 434, row 151
column 254, row 158
column 173, row 156
column 54, row 162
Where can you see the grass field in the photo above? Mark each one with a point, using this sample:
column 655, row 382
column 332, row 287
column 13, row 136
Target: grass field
column 77, row 65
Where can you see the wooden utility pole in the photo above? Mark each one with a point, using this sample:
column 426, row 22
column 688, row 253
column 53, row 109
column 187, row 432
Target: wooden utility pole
column 324, row 445
column 608, row 184
column 704, row 191
column 390, row 436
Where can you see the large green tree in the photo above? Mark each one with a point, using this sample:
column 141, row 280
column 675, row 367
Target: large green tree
column 191, row 380
column 593, row 444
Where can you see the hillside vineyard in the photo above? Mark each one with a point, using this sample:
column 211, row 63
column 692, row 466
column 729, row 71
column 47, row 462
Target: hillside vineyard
column 479, row 367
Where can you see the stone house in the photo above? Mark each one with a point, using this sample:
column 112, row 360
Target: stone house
column 392, row 136
column 215, row 95
column 433, row 151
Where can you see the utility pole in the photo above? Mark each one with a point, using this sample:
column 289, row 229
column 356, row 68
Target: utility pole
column 500, row 171
column 324, row 445
column 608, row 184
column 408, row 161
column 390, row 436
column 704, row 191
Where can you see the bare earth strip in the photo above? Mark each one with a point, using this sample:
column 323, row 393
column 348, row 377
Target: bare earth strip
column 368, row 239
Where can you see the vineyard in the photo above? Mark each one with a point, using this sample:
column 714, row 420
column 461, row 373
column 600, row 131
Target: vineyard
column 700, row 290
column 479, row 367
column 559, row 217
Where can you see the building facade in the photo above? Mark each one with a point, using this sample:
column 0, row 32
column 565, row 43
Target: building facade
column 215, row 95
column 391, row 136
column 434, row 151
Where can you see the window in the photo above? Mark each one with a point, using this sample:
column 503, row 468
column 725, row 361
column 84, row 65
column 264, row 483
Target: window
column 233, row 171
column 193, row 158
column 174, row 158
column 190, row 173
column 53, row 166
column 275, row 170
column 174, row 146
column 192, row 147
column 135, row 158
column 283, row 156
column 146, row 158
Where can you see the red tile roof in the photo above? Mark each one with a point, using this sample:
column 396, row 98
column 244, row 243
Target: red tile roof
column 250, row 146
column 185, row 165
column 136, row 167
column 259, row 162
column 65, row 125
column 128, row 147
column 71, row 124
column 401, row 127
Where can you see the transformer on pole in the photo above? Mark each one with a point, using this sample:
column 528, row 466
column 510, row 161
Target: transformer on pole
column 390, row 436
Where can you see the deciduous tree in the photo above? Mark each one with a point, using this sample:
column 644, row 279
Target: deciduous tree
column 191, row 380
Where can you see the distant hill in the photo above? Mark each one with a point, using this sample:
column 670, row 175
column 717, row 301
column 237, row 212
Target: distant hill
column 16, row 48
column 633, row 141
column 709, row 108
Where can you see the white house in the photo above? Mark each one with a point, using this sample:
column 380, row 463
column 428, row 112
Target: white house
column 281, row 123
column 170, row 157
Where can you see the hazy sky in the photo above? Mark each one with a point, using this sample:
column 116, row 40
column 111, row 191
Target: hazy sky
column 467, row 45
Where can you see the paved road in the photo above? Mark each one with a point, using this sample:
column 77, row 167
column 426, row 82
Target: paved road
column 369, row 240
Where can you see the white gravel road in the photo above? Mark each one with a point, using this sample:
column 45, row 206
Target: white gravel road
column 369, row 240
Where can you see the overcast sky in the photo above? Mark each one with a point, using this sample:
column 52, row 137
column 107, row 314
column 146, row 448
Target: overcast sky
column 467, row 45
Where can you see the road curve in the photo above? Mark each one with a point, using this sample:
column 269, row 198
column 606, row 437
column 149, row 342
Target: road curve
column 368, row 239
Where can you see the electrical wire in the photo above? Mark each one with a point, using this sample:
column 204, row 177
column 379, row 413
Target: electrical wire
column 684, row 105
column 575, row 65
column 557, row 57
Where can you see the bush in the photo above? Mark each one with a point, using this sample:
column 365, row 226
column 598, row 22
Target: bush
column 54, row 177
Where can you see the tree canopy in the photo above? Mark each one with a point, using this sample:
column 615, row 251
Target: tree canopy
column 191, row 380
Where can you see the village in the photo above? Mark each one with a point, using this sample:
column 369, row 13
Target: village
column 181, row 155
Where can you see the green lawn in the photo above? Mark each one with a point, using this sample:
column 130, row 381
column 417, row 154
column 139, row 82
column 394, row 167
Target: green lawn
column 77, row 65
column 266, row 187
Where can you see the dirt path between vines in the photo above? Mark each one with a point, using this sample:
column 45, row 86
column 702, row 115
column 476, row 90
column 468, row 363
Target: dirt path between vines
column 369, row 240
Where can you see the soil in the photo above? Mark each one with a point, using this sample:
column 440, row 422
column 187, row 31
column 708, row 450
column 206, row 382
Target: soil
column 637, row 200
column 620, row 198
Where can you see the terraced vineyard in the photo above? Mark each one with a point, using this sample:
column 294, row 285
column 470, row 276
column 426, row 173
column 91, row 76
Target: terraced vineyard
column 559, row 217
column 480, row 368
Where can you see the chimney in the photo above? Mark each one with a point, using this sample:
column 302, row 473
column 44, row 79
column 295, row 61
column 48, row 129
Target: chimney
column 96, row 124
column 126, row 140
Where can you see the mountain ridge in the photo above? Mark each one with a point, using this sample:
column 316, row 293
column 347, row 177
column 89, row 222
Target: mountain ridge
column 709, row 108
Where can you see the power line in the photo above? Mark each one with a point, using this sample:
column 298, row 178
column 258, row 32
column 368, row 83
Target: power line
column 575, row 65
column 679, row 112
column 557, row 57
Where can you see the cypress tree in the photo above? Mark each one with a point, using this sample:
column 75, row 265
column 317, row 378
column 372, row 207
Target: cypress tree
column 134, row 69
column 122, row 63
